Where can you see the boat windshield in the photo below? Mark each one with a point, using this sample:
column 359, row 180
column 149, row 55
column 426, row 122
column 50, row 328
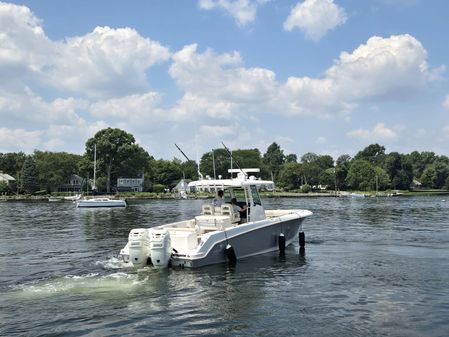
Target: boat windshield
column 255, row 195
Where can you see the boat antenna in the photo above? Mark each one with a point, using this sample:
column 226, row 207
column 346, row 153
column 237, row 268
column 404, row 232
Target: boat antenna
column 199, row 173
column 213, row 164
column 232, row 158
column 182, row 152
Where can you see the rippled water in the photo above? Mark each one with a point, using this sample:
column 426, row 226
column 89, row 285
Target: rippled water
column 372, row 267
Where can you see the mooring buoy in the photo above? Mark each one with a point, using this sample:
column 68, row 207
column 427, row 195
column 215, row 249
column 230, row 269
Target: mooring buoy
column 230, row 253
column 302, row 239
column 281, row 242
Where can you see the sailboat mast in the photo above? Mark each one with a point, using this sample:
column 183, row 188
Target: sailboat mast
column 94, row 187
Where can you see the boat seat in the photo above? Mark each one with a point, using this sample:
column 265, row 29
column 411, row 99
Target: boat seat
column 207, row 209
column 183, row 239
column 212, row 222
column 228, row 209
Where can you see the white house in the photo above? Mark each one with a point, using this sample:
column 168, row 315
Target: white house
column 130, row 184
column 4, row 177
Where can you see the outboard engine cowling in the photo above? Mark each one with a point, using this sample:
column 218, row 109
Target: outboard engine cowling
column 139, row 247
column 160, row 247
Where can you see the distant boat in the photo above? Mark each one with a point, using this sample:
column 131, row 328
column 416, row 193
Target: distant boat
column 357, row 195
column 100, row 202
column 55, row 199
column 73, row 197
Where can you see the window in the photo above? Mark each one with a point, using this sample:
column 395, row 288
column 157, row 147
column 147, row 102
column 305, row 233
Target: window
column 255, row 195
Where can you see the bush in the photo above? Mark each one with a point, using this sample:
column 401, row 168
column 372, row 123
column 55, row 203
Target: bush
column 158, row 188
column 4, row 188
column 306, row 188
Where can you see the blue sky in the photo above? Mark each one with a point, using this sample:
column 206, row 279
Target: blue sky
column 323, row 76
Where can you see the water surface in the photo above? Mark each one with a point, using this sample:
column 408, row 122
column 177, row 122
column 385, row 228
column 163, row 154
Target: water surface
column 372, row 267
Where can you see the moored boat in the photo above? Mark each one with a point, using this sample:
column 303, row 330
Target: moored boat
column 219, row 233
column 73, row 197
column 100, row 202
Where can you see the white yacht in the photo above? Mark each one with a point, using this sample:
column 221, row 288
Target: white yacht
column 218, row 234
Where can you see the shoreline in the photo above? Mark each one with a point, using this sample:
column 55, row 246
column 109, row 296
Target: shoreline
column 170, row 196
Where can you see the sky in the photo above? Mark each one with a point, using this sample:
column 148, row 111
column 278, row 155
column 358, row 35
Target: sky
column 321, row 76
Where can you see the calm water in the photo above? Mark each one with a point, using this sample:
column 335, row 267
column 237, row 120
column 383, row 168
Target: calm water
column 372, row 267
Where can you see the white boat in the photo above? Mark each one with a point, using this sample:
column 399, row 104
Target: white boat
column 73, row 197
column 55, row 199
column 100, row 202
column 218, row 234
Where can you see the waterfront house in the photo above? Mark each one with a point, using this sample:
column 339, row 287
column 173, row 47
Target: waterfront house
column 415, row 185
column 130, row 184
column 73, row 184
column 6, row 178
column 182, row 186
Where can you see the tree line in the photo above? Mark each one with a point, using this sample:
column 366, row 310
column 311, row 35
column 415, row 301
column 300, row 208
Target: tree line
column 118, row 155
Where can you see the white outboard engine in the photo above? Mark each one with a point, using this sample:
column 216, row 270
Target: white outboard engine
column 139, row 247
column 160, row 247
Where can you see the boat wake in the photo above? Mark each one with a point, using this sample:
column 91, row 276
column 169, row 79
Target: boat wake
column 90, row 284
column 113, row 263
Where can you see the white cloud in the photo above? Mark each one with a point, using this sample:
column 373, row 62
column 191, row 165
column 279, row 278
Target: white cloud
column 19, row 140
column 315, row 18
column 24, row 48
column 106, row 62
column 446, row 103
column 321, row 140
column 216, row 130
column 382, row 69
column 216, row 85
column 28, row 107
column 379, row 133
column 243, row 11
column 136, row 109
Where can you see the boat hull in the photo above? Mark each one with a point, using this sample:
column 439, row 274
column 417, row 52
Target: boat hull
column 100, row 203
column 246, row 240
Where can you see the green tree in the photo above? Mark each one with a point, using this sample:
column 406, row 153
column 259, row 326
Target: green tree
column 342, row 166
column 309, row 158
column 12, row 163
column 190, row 169
column 420, row 161
column 274, row 158
column 250, row 158
column 4, row 188
column 361, row 175
column 429, row 177
column 373, row 153
column 291, row 158
column 290, row 176
column 382, row 180
column 222, row 161
column 30, row 176
column 167, row 173
column 116, row 153
column 327, row 178
column 442, row 171
column 55, row 168
column 314, row 167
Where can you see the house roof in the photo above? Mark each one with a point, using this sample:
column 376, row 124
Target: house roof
column 6, row 177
